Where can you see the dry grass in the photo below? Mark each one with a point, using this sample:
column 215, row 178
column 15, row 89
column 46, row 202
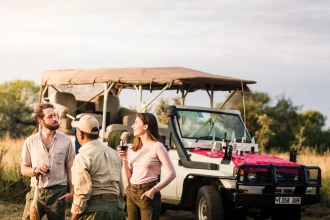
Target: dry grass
column 11, row 171
column 11, row 159
column 309, row 158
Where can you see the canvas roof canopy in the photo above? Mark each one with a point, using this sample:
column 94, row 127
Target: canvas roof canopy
column 149, row 78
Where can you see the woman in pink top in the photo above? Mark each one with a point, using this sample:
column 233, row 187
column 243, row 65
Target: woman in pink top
column 142, row 164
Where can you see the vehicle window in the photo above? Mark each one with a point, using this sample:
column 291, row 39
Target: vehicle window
column 211, row 125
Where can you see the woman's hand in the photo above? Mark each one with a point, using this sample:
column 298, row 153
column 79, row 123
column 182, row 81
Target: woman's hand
column 122, row 154
column 150, row 193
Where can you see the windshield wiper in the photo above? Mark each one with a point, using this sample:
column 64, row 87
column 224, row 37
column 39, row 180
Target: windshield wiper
column 208, row 138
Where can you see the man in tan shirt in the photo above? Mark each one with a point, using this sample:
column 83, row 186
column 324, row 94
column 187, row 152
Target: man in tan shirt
column 96, row 176
column 48, row 155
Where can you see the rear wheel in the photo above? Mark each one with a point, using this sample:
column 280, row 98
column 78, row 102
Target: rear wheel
column 209, row 205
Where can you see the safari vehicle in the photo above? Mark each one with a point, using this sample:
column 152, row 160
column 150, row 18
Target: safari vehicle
column 220, row 174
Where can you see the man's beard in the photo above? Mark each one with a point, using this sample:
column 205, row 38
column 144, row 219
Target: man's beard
column 52, row 127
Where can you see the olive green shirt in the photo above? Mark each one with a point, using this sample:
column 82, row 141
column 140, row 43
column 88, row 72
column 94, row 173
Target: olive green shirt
column 34, row 153
column 96, row 170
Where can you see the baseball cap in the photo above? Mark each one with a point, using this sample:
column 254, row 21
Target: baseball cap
column 87, row 123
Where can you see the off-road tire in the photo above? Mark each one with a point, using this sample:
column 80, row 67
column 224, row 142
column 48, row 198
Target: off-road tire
column 209, row 204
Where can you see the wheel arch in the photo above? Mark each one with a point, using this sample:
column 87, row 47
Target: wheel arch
column 191, row 185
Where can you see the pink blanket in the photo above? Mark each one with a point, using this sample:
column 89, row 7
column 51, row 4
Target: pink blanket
column 248, row 158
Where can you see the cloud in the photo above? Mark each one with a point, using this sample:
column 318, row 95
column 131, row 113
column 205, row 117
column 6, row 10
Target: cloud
column 268, row 41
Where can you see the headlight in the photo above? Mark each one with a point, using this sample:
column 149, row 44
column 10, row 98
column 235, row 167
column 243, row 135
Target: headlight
column 241, row 172
column 252, row 177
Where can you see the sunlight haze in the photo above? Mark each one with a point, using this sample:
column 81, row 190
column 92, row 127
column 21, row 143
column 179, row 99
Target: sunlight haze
column 283, row 45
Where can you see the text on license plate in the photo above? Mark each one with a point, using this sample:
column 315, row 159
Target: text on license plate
column 287, row 200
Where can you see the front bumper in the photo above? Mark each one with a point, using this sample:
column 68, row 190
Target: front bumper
column 268, row 195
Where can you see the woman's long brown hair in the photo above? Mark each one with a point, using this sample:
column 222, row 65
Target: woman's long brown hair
column 150, row 120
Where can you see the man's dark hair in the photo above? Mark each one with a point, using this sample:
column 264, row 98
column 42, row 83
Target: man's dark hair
column 90, row 136
column 38, row 113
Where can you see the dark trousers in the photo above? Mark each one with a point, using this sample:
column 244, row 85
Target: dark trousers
column 48, row 203
column 104, row 209
column 144, row 209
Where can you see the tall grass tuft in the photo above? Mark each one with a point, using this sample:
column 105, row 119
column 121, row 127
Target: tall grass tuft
column 12, row 182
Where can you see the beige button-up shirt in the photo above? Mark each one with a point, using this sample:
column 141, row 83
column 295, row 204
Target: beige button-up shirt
column 34, row 153
column 96, row 170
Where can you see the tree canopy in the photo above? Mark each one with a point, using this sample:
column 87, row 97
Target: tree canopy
column 17, row 101
column 288, row 124
column 281, row 125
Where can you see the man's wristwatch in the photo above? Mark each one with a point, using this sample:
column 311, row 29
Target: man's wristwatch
column 34, row 171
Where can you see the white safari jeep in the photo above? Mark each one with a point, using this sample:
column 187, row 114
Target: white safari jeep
column 220, row 174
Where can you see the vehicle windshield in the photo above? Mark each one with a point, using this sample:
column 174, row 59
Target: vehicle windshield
column 204, row 125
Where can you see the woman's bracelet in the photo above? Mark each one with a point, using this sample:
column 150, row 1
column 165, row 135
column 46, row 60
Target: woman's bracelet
column 155, row 189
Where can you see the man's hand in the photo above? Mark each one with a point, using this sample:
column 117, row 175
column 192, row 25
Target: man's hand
column 42, row 169
column 74, row 216
column 68, row 197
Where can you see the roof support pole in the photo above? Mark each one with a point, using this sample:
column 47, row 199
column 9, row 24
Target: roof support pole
column 182, row 95
column 229, row 97
column 244, row 109
column 107, row 88
column 42, row 97
column 211, row 96
column 153, row 99
column 140, row 98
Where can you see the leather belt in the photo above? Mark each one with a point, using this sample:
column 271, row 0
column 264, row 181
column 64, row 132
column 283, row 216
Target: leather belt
column 143, row 185
column 103, row 196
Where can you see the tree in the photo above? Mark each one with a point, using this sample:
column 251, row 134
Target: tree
column 161, row 109
column 314, row 134
column 264, row 133
column 17, row 101
column 287, row 123
column 299, row 140
column 255, row 104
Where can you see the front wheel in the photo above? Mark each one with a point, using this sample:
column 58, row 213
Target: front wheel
column 209, row 204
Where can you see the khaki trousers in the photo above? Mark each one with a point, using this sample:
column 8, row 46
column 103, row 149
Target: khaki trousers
column 48, row 202
column 144, row 209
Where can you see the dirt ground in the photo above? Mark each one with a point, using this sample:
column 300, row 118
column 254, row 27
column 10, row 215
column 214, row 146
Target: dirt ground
column 10, row 211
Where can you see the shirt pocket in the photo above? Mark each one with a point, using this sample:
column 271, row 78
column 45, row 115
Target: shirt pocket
column 59, row 157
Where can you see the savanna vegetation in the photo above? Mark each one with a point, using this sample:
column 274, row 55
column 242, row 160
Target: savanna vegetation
column 277, row 125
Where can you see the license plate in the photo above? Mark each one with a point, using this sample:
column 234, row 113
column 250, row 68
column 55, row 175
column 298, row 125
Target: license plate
column 287, row 200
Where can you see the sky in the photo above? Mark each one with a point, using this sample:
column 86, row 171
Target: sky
column 283, row 45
